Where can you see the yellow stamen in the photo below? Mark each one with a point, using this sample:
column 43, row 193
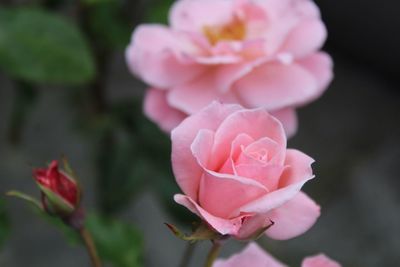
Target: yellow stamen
column 234, row 31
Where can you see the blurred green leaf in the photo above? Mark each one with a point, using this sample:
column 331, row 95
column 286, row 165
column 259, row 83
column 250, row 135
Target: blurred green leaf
column 41, row 47
column 4, row 223
column 117, row 242
column 158, row 13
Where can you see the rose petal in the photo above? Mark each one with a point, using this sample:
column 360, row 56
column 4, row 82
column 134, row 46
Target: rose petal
column 252, row 226
column 288, row 118
column 307, row 37
column 189, row 15
column 202, row 147
column 212, row 85
column 242, row 140
column 223, row 226
column 274, row 151
column 221, row 194
column 186, row 169
column 268, row 175
column 321, row 66
column 157, row 109
column 251, row 256
column 274, row 86
column 274, row 199
column 154, row 55
column 319, row 260
column 298, row 168
column 256, row 123
column 293, row 218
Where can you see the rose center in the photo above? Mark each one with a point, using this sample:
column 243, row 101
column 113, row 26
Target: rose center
column 260, row 155
column 233, row 31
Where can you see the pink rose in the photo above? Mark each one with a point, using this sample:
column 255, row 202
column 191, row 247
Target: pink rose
column 257, row 53
column 254, row 256
column 237, row 175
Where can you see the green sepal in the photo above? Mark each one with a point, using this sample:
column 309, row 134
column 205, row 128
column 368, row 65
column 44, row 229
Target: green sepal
column 201, row 232
column 71, row 175
column 36, row 203
column 56, row 204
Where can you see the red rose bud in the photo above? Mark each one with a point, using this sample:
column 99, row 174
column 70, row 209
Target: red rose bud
column 60, row 192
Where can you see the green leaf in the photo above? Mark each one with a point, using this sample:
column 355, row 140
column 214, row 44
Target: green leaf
column 117, row 242
column 4, row 224
column 40, row 47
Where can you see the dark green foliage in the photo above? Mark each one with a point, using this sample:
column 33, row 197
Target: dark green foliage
column 40, row 47
column 117, row 242
column 4, row 224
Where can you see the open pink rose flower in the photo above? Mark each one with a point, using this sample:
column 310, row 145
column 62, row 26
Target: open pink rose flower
column 254, row 256
column 257, row 53
column 237, row 175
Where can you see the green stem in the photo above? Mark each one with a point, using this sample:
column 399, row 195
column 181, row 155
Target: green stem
column 91, row 248
column 213, row 254
column 187, row 256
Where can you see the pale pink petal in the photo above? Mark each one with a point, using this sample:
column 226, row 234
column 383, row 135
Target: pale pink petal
column 242, row 140
column 186, row 169
column 319, row 260
column 268, row 175
column 251, row 227
column 265, row 150
column 221, row 194
column 308, row 36
column 158, row 110
column 202, row 147
column 321, row 66
column 251, row 256
column 194, row 15
column 154, row 55
column 274, row 86
column 281, row 19
column 256, row 123
column 274, row 199
column 222, row 226
column 298, row 168
column 212, row 85
column 293, row 218
column 288, row 118
column 192, row 96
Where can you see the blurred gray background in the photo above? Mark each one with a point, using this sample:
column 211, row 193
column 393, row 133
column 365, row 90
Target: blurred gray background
column 352, row 131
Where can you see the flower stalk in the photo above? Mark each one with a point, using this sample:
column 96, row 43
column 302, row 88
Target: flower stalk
column 213, row 253
column 90, row 246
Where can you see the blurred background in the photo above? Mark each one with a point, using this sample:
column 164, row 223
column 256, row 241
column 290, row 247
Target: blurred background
column 65, row 90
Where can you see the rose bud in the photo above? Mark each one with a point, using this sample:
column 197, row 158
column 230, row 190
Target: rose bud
column 60, row 191
column 255, row 256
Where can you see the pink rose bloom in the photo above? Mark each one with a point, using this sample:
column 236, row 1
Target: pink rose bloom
column 254, row 256
column 237, row 175
column 257, row 53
